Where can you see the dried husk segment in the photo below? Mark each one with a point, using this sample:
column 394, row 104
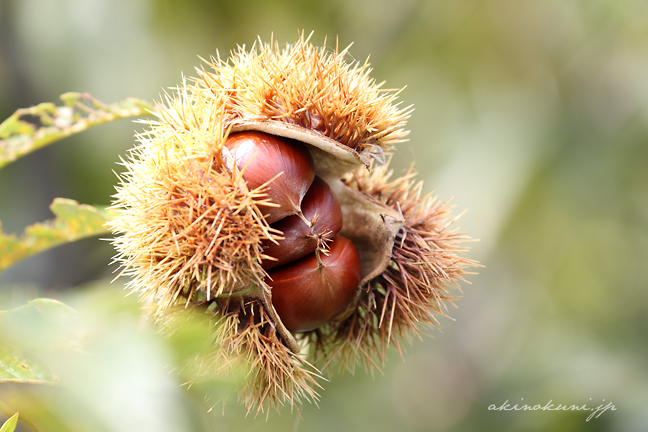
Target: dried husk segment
column 332, row 159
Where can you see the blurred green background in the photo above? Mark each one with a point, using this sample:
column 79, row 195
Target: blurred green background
column 530, row 114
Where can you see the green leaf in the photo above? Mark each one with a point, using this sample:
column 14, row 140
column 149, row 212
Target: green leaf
column 19, row 137
column 41, row 323
column 10, row 425
column 73, row 221
column 28, row 333
column 17, row 368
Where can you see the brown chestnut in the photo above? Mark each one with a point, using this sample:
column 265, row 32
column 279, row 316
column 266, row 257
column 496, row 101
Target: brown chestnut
column 312, row 291
column 321, row 207
column 263, row 157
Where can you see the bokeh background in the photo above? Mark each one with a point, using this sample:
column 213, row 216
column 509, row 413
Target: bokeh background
column 530, row 114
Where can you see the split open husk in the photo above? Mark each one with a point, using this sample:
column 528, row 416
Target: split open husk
column 190, row 231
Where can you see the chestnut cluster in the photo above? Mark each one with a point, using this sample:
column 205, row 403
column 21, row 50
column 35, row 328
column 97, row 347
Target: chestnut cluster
column 313, row 271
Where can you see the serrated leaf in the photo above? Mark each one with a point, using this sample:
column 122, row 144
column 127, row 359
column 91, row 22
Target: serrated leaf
column 73, row 221
column 19, row 137
column 10, row 425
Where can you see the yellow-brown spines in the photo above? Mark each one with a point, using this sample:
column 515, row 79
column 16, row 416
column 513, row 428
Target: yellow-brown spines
column 188, row 226
column 310, row 87
column 426, row 260
column 193, row 233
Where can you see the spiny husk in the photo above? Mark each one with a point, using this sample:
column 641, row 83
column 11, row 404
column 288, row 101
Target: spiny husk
column 190, row 230
column 246, row 334
column 187, row 225
column 309, row 87
column 243, row 344
column 411, row 291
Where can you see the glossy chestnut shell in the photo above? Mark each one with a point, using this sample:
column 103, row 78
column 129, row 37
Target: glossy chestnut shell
column 322, row 208
column 284, row 165
column 308, row 294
